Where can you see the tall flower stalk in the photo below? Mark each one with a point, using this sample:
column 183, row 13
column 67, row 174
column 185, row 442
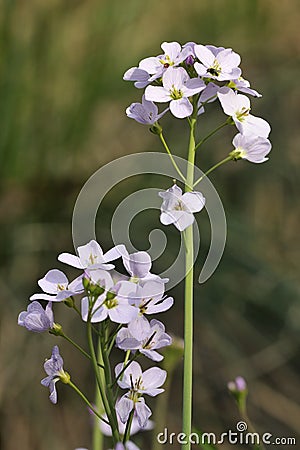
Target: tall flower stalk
column 115, row 309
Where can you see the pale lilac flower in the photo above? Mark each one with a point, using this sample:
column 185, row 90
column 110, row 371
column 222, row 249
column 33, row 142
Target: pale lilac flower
column 112, row 303
column 238, row 385
column 91, row 256
column 208, row 95
column 217, row 63
column 252, row 148
column 146, row 338
column 36, row 318
column 243, row 85
column 145, row 112
column 178, row 208
column 54, row 369
column 138, row 265
column 138, row 383
column 238, row 107
column 139, row 76
column 172, row 57
column 177, row 88
column 56, row 287
column 149, row 297
column 135, row 427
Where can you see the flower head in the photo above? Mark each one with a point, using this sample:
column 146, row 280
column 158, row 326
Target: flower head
column 36, row 318
column 252, row 148
column 217, row 63
column 177, row 88
column 54, row 369
column 91, row 256
column 145, row 112
column 112, row 302
column 139, row 76
column 138, row 265
column 56, row 287
column 178, row 208
column 145, row 337
column 149, row 298
column 138, row 384
column 238, row 107
column 242, row 85
column 172, row 57
column 135, row 427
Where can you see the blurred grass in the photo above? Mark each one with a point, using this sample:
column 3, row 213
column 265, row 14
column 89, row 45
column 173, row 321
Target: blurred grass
column 62, row 103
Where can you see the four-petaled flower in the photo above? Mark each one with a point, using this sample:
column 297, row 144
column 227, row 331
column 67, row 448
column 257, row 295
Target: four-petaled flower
column 139, row 384
column 112, row 303
column 178, row 208
column 54, row 369
column 177, row 88
column 145, row 337
column 145, row 112
column 57, row 288
column 172, row 57
column 252, row 148
column 238, row 107
column 91, row 256
column 217, row 63
column 36, row 318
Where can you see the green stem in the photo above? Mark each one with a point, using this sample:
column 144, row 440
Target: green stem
column 251, row 428
column 108, row 381
column 81, row 394
column 211, row 134
column 97, row 433
column 220, row 163
column 161, row 137
column 188, row 305
column 115, row 432
column 67, row 338
column 128, row 427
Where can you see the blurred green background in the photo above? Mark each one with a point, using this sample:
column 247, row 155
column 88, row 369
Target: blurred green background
column 62, row 103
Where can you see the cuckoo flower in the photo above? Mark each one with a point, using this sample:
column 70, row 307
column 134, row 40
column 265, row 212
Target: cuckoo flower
column 138, row 265
column 177, row 88
column 138, row 384
column 112, row 301
column 139, row 76
column 208, row 95
column 172, row 57
column 178, row 208
column 54, row 369
column 149, row 297
column 135, row 427
column 56, row 287
column 91, row 256
column 145, row 112
column 252, row 148
column 238, row 107
column 146, row 338
column 217, row 63
column 36, row 318
column 243, row 85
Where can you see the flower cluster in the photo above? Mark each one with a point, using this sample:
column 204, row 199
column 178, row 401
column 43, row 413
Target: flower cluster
column 189, row 77
column 120, row 303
